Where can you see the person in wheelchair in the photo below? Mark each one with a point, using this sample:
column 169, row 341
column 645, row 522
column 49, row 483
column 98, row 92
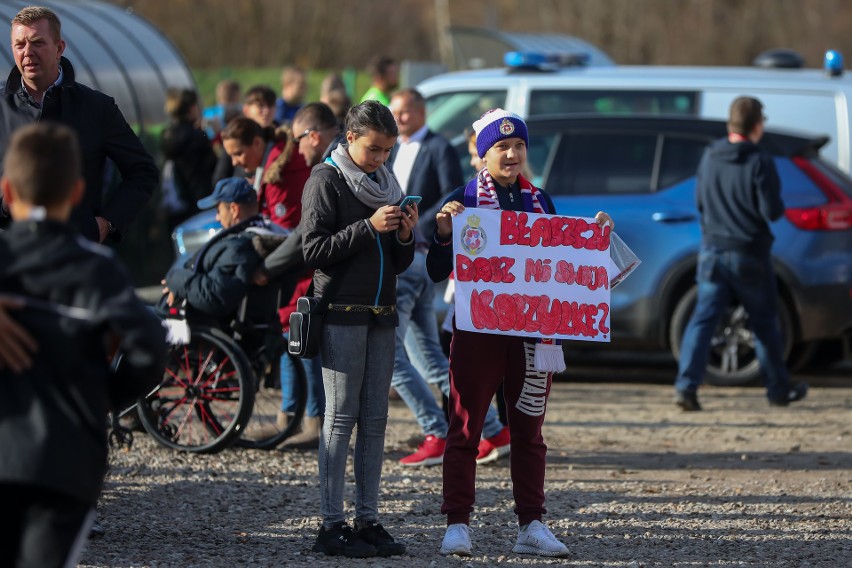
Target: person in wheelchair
column 215, row 287
column 77, row 303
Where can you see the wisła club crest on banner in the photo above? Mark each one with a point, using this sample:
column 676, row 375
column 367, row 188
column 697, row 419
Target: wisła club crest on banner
column 473, row 238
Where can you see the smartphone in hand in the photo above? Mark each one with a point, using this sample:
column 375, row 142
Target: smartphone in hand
column 409, row 200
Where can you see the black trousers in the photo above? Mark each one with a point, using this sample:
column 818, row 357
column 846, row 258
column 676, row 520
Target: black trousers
column 43, row 528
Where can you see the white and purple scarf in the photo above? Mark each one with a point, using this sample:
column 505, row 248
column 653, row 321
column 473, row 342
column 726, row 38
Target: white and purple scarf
column 480, row 192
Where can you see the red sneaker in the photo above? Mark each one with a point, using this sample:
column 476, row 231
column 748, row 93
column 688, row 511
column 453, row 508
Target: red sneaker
column 430, row 452
column 493, row 448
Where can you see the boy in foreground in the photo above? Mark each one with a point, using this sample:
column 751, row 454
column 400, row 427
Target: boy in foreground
column 79, row 307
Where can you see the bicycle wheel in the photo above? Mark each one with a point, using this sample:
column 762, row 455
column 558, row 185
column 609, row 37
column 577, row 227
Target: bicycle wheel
column 206, row 396
column 264, row 431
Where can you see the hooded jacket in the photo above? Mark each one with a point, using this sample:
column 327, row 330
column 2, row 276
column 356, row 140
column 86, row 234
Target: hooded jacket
column 284, row 176
column 53, row 416
column 738, row 194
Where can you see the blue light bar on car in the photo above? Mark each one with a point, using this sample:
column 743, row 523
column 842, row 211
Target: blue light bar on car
column 833, row 63
column 543, row 61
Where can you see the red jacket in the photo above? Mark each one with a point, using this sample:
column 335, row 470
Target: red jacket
column 284, row 177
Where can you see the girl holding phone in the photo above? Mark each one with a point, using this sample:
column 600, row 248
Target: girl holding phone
column 354, row 231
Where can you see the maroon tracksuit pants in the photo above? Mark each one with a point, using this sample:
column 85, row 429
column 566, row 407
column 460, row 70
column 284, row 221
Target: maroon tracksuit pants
column 479, row 362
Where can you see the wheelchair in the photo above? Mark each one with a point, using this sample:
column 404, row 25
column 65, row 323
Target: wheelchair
column 222, row 387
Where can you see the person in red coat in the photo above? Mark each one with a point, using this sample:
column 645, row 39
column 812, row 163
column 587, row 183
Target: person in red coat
column 278, row 172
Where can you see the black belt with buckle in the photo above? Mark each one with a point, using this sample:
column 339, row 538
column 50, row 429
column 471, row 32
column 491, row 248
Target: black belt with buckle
column 375, row 310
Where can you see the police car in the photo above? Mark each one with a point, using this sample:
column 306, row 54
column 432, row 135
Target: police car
column 816, row 101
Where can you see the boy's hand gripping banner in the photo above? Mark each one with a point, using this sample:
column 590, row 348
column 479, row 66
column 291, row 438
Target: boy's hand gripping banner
column 532, row 275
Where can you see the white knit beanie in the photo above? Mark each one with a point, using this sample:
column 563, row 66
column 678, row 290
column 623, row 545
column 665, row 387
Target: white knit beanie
column 498, row 124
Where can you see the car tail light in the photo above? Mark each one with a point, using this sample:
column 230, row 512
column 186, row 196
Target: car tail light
column 836, row 215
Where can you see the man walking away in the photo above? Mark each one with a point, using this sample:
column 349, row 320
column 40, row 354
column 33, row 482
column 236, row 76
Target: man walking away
column 738, row 194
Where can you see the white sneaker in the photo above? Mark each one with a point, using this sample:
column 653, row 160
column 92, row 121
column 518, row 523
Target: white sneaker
column 536, row 538
column 456, row 540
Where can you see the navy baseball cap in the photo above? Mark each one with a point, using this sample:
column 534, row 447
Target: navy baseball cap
column 229, row 190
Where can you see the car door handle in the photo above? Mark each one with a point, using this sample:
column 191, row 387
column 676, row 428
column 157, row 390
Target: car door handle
column 673, row 217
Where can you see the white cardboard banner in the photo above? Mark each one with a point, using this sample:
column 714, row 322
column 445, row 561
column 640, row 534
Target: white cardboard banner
column 531, row 275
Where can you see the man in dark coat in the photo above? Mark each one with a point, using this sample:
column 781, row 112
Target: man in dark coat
column 42, row 86
column 426, row 165
column 424, row 162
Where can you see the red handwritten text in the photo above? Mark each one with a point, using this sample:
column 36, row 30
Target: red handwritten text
column 538, row 270
column 493, row 269
column 536, row 314
column 552, row 232
column 592, row 277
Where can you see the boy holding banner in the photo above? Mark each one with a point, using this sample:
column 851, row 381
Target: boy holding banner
column 475, row 371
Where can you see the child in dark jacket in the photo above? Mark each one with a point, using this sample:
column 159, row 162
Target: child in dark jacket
column 79, row 306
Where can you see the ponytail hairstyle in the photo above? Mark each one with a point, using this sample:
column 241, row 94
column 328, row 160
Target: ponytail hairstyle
column 274, row 173
column 179, row 102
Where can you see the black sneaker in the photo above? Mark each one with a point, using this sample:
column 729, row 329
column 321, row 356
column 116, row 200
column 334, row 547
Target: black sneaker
column 796, row 392
column 341, row 540
column 687, row 401
column 375, row 534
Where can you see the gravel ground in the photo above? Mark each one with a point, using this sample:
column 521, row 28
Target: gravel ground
column 631, row 482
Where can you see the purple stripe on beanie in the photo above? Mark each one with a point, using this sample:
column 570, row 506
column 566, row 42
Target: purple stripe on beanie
column 496, row 125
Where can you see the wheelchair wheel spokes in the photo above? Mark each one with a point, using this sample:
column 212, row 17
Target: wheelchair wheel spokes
column 209, row 420
column 206, row 395
column 223, row 388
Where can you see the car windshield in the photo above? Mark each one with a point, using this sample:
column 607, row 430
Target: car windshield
column 449, row 114
column 586, row 162
column 609, row 102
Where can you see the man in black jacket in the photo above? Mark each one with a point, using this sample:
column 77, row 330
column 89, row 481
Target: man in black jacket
column 738, row 193
column 41, row 87
column 79, row 305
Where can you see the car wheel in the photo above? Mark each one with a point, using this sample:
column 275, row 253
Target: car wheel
column 732, row 360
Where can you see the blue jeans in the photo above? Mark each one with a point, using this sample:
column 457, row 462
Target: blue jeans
column 419, row 359
column 315, row 400
column 723, row 276
column 357, row 363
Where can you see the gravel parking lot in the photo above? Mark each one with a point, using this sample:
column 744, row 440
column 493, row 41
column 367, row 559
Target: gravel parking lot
column 632, row 482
